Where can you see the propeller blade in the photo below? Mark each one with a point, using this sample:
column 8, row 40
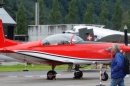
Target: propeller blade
column 125, row 35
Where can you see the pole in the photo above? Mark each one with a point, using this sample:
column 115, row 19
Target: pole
column 36, row 13
column 100, row 76
column 96, row 65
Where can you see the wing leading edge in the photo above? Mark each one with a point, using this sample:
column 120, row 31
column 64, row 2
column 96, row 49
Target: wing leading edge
column 43, row 56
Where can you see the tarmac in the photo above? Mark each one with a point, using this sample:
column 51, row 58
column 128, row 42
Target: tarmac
column 91, row 77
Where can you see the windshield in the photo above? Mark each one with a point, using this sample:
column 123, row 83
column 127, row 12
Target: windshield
column 61, row 39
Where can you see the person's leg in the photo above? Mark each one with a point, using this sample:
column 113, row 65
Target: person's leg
column 121, row 83
column 114, row 82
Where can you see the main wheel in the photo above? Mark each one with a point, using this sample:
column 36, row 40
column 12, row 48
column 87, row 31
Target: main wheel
column 104, row 76
column 51, row 75
column 78, row 74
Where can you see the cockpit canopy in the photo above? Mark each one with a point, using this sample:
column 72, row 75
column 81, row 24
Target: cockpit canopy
column 61, row 39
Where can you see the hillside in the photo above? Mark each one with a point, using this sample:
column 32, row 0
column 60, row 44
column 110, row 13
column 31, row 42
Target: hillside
column 29, row 5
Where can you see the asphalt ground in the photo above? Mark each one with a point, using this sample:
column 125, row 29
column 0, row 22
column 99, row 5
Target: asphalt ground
column 64, row 78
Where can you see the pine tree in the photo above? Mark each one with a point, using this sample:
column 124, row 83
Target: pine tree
column 103, row 17
column 41, row 12
column 117, row 16
column 126, row 20
column 55, row 15
column 21, row 20
column 89, row 15
column 72, row 15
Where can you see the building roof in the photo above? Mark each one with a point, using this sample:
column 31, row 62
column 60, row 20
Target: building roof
column 6, row 18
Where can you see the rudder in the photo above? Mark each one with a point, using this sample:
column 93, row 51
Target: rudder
column 4, row 42
column 1, row 34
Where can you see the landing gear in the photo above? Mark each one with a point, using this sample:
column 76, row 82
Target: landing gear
column 104, row 76
column 78, row 74
column 51, row 75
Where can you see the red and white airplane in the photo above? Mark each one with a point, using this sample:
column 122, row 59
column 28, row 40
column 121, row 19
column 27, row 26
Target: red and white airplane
column 59, row 49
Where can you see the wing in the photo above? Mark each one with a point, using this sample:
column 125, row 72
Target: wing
column 42, row 57
column 48, row 58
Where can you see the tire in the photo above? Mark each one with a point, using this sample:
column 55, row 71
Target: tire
column 51, row 75
column 78, row 74
column 104, row 76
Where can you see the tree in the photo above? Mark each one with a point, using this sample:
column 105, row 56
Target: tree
column 81, row 10
column 126, row 20
column 12, row 6
column 55, row 15
column 72, row 15
column 103, row 17
column 117, row 16
column 41, row 11
column 89, row 15
column 21, row 20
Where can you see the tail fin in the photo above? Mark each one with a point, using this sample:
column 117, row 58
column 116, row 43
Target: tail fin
column 86, row 34
column 6, row 42
column 1, row 34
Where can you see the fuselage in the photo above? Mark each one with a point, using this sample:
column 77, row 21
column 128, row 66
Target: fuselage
column 79, row 53
column 62, row 49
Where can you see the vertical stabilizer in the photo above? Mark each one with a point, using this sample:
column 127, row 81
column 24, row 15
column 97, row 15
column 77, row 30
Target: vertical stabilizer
column 1, row 34
column 3, row 41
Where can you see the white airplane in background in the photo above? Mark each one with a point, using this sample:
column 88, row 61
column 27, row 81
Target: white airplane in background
column 102, row 34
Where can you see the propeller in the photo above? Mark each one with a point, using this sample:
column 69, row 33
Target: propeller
column 125, row 35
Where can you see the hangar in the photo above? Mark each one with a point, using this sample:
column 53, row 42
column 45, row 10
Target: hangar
column 7, row 22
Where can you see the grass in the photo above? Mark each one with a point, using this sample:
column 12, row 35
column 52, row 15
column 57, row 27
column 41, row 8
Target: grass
column 19, row 67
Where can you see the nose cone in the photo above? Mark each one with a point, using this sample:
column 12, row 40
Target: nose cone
column 126, row 49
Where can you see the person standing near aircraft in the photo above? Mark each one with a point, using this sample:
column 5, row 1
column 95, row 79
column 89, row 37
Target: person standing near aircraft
column 117, row 65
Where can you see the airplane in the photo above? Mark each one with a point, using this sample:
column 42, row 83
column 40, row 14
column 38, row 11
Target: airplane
column 61, row 49
column 100, row 33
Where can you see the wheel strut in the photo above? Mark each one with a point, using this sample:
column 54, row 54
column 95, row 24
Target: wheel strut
column 77, row 74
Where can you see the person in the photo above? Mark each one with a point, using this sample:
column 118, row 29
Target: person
column 117, row 65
